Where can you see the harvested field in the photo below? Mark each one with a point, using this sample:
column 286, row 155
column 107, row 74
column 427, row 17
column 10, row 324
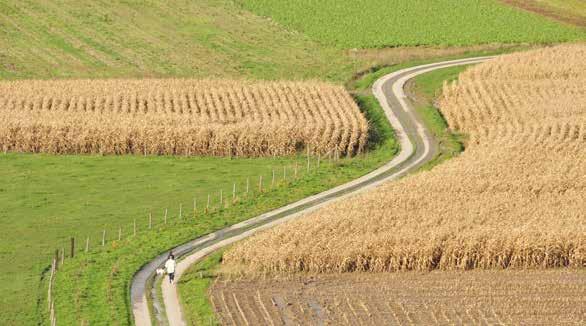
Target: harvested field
column 516, row 198
column 437, row 298
column 179, row 117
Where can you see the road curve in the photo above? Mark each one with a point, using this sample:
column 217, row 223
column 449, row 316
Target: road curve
column 417, row 147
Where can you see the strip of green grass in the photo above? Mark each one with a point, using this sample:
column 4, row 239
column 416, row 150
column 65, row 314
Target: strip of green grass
column 427, row 88
column 193, row 290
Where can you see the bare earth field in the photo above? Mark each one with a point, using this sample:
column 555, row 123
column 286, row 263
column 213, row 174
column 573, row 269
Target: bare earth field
column 569, row 11
column 436, row 298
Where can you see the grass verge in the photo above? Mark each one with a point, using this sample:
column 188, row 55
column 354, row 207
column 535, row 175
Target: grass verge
column 198, row 279
column 423, row 90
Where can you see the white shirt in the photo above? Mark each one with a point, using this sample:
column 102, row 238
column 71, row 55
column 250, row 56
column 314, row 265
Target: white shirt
column 170, row 266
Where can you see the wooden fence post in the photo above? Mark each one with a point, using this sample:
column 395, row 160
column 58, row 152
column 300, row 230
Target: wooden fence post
column 62, row 256
column 57, row 258
column 247, row 184
column 119, row 234
column 166, row 211
column 87, row 244
column 53, row 263
column 221, row 199
column 285, row 173
column 208, row 204
column 233, row 192
column 180, row 210
column 150, row 220
column 104, row 238
column 273, row 180
column 194, row 207
column 260, row 184
column 134, row 228
column 72, row 247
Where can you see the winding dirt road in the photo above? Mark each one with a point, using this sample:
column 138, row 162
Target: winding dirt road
column 417, row 147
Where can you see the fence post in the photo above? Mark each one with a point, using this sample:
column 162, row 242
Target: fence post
column 208, row 204
column 72, row 247
column 247, row 184
column 166, row 211
column 233, row 192
column 150, row 220
column 87, row 244
column 119, row 233
column 194, row 207
column 53, row 263
column 56, row 258
column 295, row 172
column 221, row 199
column 134, row 228
column 104, row 238
column 62, row 256
column 285, row 173
column 260, row 184
column 273, row 180
column 180, row 210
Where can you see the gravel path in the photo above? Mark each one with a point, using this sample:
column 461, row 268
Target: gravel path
column 417, row 147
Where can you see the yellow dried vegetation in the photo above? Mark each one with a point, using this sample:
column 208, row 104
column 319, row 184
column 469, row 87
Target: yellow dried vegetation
column 179, row 117
column 516, row 198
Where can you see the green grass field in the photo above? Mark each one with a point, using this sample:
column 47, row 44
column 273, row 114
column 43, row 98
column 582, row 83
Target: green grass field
column 392, row 23
column 47, row 199
column 204, row 38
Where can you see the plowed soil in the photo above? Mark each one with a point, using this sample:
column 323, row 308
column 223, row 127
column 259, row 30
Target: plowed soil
column 436, row 298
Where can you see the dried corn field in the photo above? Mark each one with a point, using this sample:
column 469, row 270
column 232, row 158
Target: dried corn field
column 516, row 198
column 179, row 117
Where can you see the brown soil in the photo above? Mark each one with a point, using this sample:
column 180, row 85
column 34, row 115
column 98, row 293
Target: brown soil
column 479, row 297
column 543, row 10
column 392, row 56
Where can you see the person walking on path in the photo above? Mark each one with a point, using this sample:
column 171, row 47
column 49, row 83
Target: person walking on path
column 170, row 267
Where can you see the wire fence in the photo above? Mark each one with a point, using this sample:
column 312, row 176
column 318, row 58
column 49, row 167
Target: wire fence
column 214, row 202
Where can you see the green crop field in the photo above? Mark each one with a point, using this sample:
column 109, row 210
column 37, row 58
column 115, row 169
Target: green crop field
column 384, row 23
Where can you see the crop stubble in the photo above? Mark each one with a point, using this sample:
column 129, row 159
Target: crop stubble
column 516, row 198
column 437, row 298
column 179, row 117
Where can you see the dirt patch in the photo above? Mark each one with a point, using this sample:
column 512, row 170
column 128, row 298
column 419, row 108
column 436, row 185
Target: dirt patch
column 392, row 56
column 479, row 297
column 546, row 11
